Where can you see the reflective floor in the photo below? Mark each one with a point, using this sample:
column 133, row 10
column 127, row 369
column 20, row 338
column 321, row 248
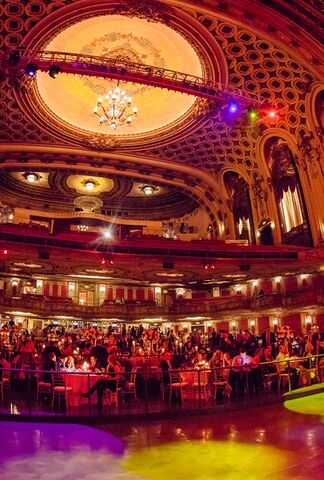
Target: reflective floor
column 279, row 442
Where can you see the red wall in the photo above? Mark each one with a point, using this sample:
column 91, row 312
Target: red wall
column 320, row 321
column 266, row 287
column 293, row 321
column 291, row 284
column 222, row 326
column 263, row 323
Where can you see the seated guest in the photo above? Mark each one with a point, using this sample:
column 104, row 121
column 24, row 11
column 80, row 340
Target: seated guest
column 111, row 382
column 199, row 360
column 96, row 365
column 242, row 365
column 49, row 364
column 3, row 365
column 100, row 353
column 165, row 366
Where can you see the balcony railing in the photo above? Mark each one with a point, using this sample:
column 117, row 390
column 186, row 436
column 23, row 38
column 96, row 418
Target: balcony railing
column 61, row 306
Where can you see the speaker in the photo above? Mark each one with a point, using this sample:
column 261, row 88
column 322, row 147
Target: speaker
column 43, row 254
column 168, row 265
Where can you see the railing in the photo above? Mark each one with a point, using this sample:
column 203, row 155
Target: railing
column 205, row 249
column 41, row 304
column 151, row 390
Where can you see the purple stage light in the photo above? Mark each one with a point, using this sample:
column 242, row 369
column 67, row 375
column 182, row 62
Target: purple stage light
column 233, row 107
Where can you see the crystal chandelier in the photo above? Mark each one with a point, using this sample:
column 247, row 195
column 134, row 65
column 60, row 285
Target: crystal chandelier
column 115, row 109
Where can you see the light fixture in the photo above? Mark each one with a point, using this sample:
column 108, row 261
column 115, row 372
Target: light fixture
column 31, row 177
column 233, row 107
column 90, row 184
column 148, row 190
column 31, row 69
column 115, row 109
column 53, row 71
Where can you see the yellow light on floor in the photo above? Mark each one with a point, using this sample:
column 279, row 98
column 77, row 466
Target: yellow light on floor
column 207, row 460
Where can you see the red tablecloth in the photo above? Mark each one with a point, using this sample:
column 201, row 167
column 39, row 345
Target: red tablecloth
column 80, row 384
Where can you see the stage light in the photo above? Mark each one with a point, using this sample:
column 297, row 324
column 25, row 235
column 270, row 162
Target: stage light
column 272, row 114
column 233, row 107
column 5, row 252
column 253, row 115
column 103, row 261
column 53, row 71
column 31, row 69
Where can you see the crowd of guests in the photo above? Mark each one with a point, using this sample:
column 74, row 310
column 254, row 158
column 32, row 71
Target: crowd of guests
column 111, row 350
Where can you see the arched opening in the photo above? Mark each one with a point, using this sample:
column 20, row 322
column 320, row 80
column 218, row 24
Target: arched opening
column 319, row 112
column 240, row 205
column 289, row 198
column 266, row 235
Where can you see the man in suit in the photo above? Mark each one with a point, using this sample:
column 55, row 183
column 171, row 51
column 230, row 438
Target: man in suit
column 268, row 338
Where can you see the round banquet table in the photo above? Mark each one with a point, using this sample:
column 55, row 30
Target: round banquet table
column 80, row 384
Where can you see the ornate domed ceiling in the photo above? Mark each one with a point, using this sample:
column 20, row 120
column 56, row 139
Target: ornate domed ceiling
column 72, row 97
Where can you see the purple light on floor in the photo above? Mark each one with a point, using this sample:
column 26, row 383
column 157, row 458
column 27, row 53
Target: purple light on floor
column 74, row 64
column 26, row 439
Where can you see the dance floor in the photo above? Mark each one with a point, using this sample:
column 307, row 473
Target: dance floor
column 280, row 442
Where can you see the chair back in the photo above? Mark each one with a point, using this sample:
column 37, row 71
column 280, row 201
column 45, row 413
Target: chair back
column 58, row 380
column 6, row 375
column 133, row 375
column 27, row 360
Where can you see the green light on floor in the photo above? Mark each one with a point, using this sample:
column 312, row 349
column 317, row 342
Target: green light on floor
column 197, row 460
column 310, row 405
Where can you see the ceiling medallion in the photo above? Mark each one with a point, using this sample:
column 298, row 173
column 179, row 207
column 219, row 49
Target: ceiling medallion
column 115, row 109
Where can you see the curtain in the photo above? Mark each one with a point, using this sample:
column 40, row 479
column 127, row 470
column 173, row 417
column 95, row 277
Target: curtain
column 291, row 212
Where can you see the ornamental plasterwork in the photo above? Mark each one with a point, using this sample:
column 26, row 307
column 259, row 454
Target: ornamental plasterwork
column 311, row 154
column 151, row 10
column 101, row 142
column 124, row 48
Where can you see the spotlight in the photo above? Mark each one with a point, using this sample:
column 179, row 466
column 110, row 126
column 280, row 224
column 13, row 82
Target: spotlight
column 272, row 114
column 103, row 261
column 53, row 71
column 31, row 69
column 233, row 107
column 253, row 115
